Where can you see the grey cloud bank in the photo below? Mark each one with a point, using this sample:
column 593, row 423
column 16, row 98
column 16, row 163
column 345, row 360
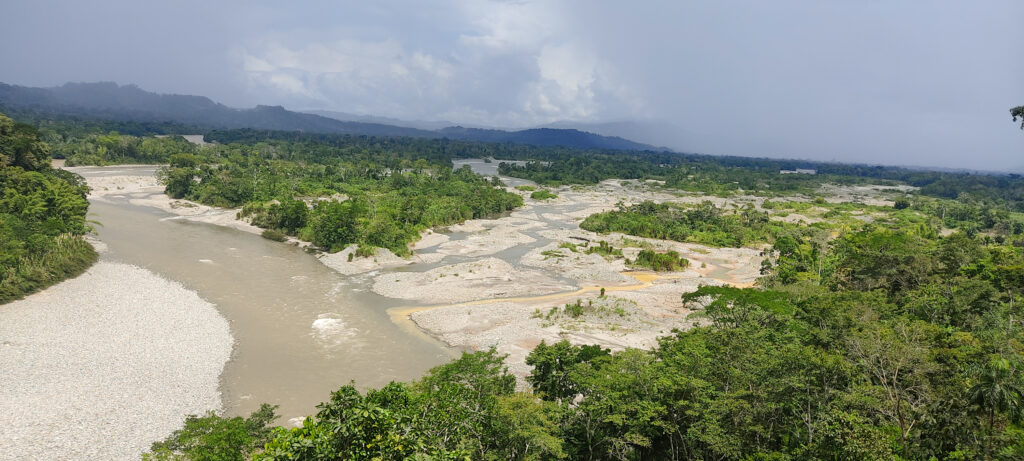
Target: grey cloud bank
column 913, row 83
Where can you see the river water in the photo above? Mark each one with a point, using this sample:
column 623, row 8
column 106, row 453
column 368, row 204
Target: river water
column 301, row 329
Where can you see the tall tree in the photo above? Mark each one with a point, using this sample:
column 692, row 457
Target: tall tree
column 20, row 146
column 997, row 392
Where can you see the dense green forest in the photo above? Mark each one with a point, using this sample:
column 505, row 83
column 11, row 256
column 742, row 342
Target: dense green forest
column 42, row 215
column 330, row 190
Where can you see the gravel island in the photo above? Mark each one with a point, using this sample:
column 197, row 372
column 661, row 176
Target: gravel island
column 102, row 365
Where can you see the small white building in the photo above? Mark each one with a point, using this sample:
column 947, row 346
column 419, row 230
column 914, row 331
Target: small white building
column 799, row 171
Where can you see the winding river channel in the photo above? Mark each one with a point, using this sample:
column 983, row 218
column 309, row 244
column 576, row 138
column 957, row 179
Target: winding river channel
column 301, row 330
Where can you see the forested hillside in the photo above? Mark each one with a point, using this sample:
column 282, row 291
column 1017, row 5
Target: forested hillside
column 42, row 216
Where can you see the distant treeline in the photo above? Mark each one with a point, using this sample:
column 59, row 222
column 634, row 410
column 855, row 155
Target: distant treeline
column 562, row 165
column 728, row 175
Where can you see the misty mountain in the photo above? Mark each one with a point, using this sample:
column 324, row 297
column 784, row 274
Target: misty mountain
column 110, row 101
column 430, row 125
column 544, row 137
column 655, row 133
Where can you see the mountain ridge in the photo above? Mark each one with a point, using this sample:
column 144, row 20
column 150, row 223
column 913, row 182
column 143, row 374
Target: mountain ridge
column 110, row 101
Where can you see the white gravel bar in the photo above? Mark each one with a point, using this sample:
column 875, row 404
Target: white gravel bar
column 100, row 366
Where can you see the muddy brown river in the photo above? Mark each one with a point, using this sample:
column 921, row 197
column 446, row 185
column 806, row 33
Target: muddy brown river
column 301, row 330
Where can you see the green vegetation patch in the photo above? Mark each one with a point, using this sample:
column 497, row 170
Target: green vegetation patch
column 603, row 248
column 705, row 224
column 668, row 261
column 383, row 209
column 543, row 194
column 275, row 235
column 42, row 216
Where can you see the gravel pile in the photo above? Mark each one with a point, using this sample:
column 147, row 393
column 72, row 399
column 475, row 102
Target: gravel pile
column 100, row 366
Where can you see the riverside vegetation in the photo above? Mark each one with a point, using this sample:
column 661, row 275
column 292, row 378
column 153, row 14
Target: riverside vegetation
column 897, row 337
column 42, row 216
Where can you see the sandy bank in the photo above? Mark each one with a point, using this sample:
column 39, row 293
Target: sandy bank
column 631, row 316
column 489, row 236
column 100, row 366
column 480, row 279
column 139, row 186
column 382, row 258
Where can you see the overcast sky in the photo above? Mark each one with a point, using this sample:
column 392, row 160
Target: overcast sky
column 894, row 82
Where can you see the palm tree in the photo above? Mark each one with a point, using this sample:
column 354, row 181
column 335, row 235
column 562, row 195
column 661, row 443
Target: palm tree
column 997, row 392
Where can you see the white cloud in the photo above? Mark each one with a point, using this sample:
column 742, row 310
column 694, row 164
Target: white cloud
column 506, row 63
column 508, row 27
column 288, row 83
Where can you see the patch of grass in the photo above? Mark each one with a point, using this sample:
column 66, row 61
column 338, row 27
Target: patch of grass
column 603, row 248
column 365, row 251
column 552, row 254
column 275, row 235
column 633, row 243
column 543, row 194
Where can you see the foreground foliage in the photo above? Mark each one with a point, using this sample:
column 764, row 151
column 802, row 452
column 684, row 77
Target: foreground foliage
column 42, row 216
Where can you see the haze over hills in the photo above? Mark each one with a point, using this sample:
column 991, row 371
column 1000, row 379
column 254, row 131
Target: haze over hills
column 418, row 124
column 110, row 101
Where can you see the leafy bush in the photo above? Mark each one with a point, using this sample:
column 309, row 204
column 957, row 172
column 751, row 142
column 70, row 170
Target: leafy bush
column 603, row 248
column 275, row 235
column 668, row 261
column 542, row 194
column 213, row 437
